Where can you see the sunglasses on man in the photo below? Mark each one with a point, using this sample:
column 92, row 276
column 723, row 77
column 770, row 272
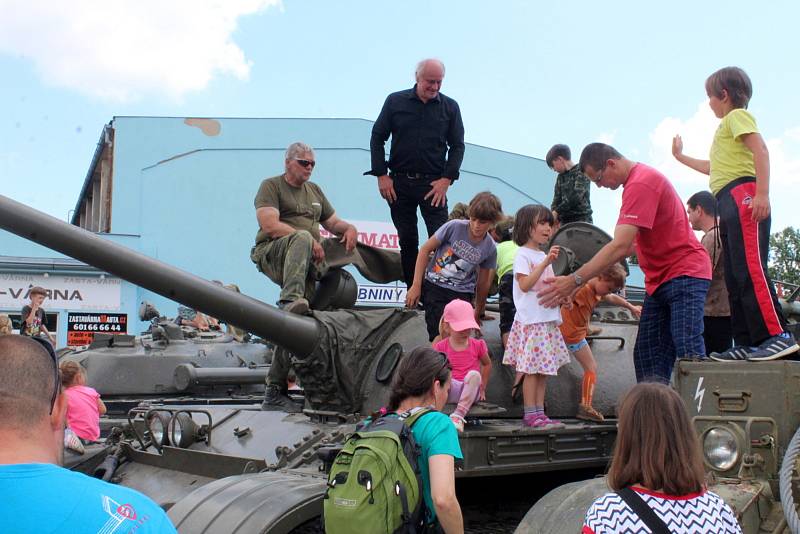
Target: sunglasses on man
column 56, row 376
column 306, row 163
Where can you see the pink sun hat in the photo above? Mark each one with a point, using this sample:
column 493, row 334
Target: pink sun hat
column 460, row 315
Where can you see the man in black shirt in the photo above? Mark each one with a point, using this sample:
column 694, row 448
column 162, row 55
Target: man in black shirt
column 423, row 124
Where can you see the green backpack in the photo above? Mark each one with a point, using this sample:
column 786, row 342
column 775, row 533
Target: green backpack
column 374, row 485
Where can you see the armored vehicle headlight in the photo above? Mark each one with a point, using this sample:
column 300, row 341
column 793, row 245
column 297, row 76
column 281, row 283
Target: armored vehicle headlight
column 183, row 430
column 721, row 448
column 157, row 425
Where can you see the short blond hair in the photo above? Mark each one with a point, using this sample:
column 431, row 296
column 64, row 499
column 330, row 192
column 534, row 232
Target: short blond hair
column 5, row 324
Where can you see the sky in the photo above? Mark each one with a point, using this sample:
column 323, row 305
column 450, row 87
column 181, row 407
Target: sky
column 526, row 74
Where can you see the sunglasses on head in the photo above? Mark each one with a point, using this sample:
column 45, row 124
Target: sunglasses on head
column 306, row 163
column 446, row 364
column 57, row 386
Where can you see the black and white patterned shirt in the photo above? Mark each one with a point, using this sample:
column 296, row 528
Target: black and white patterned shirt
column 687, row 514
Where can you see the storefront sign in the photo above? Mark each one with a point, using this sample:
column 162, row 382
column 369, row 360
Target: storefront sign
column 376, row 234
column 81, row 327
column 63, row 292
column 381, row 294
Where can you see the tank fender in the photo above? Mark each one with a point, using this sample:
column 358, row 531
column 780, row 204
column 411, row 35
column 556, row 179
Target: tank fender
column 250, row 504
column 562, row 509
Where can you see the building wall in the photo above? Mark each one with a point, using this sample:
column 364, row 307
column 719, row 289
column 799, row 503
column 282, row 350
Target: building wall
column 183, row 190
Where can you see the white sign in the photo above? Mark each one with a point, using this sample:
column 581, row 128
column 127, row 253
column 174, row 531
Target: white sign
column 63, row 292
column 381, row 294
column 378, row 234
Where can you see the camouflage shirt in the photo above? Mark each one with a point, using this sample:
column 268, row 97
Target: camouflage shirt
column 571, row 197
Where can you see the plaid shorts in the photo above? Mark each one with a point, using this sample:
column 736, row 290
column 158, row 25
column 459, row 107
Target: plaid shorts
column 671, row 327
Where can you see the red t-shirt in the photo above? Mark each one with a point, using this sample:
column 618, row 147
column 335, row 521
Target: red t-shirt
column 665, row 244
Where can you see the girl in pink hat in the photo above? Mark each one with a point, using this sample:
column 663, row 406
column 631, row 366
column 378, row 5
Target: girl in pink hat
column 468, row 356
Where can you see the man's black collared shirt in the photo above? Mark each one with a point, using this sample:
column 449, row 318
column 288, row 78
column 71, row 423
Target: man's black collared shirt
column 421, row 135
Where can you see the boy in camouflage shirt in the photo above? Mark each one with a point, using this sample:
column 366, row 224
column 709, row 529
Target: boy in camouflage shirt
column 571, row 194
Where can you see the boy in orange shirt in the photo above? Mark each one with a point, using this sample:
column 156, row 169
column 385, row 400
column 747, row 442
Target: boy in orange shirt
column 576, row 316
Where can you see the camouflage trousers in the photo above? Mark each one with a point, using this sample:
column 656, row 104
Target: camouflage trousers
column 279, row 368
column 288, row 262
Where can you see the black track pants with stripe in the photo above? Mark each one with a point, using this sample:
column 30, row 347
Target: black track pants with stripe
column 755, row 312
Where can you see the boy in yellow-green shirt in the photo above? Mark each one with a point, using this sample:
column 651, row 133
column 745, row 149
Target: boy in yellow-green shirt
column 738, row 167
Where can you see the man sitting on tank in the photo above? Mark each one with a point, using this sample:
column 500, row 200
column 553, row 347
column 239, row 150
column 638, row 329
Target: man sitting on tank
column 289, row 210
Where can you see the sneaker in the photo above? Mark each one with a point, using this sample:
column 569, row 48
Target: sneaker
column 73, row 442
column 733, row 354
column 774, row 348
column 587, row 413
column 276, row 401
column 298, row 307
column 458, row 422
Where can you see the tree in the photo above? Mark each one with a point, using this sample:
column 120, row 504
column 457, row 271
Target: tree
column 784, row 255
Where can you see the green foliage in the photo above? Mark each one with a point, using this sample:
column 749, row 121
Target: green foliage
column 784, row 255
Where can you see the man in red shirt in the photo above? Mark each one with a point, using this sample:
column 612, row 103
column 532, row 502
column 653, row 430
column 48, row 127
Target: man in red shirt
column 676, row 267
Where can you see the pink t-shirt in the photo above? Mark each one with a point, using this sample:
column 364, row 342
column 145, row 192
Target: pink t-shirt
column 665, row 244
column 83, row 414
column 463, row 361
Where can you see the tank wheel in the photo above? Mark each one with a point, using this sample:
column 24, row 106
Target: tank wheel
column 274, row 503
column 563, row 509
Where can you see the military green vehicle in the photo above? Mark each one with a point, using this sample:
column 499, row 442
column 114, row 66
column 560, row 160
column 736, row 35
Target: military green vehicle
column 236, row 468
column 172, row 363
column 747, row 415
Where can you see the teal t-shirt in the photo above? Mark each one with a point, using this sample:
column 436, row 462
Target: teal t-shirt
column 435, row 434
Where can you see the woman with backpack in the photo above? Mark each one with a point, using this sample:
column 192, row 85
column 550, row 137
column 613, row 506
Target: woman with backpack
column 656, row 474
column 422, row 380
column 396, row 473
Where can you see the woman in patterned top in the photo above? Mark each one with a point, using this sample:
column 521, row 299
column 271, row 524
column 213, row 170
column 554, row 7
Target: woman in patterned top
column 657, row 455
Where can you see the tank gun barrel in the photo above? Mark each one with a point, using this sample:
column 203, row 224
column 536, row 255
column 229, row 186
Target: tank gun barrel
column 187, row 376
column 299, row 335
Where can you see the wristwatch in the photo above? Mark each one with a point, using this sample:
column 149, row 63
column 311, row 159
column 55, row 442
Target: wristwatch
column 578, row 279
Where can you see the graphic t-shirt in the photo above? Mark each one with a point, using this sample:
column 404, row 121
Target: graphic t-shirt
column 665, row 243
column 186, row 314
column 456, row 262
column 45, row 498
column 83, row 414
column 729, row 158
column 463, row 361
column 35, row 327
column 302, row 207
column 576, row 319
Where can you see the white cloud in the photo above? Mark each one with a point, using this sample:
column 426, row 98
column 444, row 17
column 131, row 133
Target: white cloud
column 607, row 137
column 697, row 133
column 118, row 49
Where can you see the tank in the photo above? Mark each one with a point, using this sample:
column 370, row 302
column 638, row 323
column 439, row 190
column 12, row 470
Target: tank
column 234, row 468
column 172, row 363
column 747, row 416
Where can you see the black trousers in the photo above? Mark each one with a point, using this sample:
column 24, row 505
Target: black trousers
column 435, row 298
column 755, row 312
column 717, row 333
column 410, row 195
